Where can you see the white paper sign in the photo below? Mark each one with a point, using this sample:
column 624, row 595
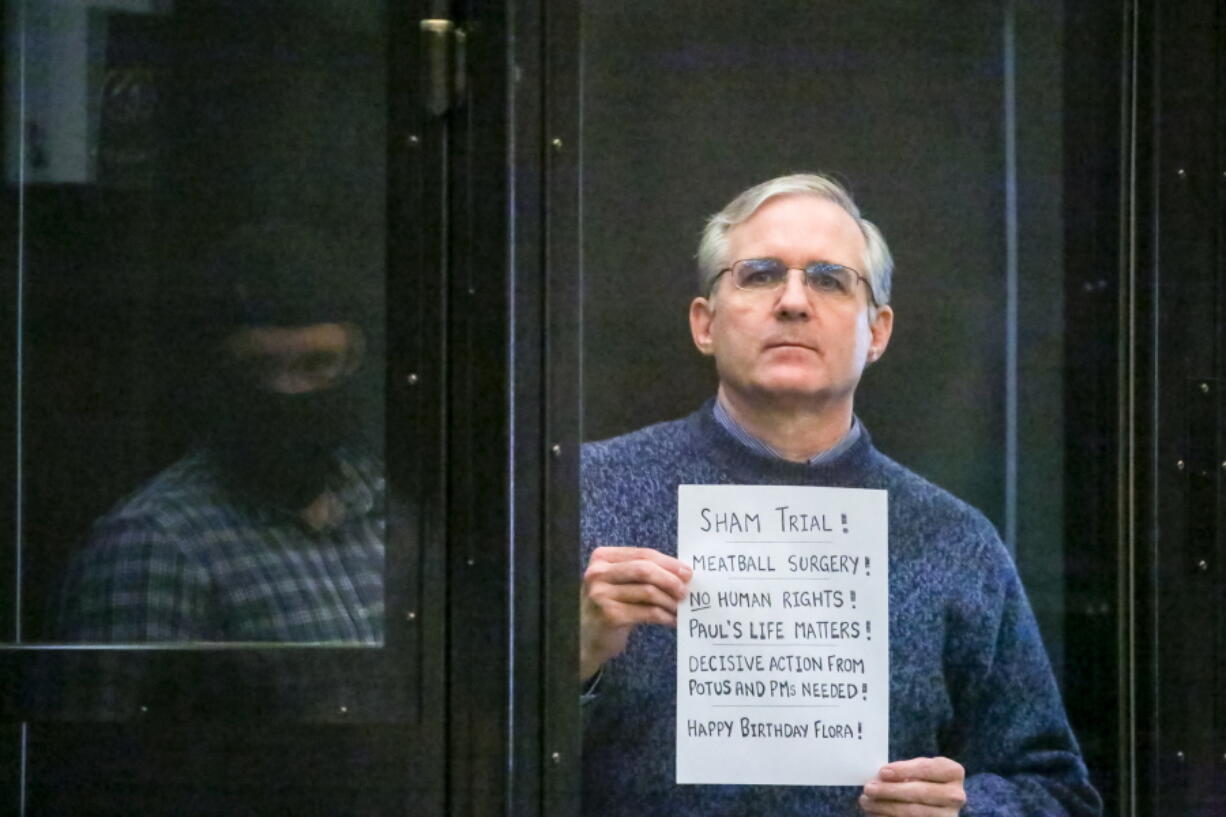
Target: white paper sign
column 783, row 641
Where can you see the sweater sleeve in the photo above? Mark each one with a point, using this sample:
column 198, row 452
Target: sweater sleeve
column 1012, row 735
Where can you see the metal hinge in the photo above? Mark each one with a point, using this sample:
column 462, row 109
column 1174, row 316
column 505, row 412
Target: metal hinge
column 443, row 46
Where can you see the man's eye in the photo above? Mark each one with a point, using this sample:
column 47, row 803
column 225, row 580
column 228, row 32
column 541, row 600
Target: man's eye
column 758, row 278
column 830, row 278
column 828, row 281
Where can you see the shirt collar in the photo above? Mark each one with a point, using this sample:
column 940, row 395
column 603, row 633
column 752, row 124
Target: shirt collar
column 742, row 436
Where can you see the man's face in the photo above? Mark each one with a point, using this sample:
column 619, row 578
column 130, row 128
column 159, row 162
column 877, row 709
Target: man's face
column 791, row 346
column 285, row 409
column 296, row 359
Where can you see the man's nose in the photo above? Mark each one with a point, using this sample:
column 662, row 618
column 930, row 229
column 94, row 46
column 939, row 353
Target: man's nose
column 793, row 300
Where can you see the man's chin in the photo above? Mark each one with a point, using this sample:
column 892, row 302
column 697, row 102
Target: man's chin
column 785, row 387
column 793, row 383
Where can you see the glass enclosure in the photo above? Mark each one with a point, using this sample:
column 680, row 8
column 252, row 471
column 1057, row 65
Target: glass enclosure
column 310, row 303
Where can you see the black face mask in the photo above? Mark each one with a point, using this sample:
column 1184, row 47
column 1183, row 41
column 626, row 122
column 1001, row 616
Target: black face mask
column 279, row 448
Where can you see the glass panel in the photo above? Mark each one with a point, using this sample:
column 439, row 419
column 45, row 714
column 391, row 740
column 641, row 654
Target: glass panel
column 949, row 132
column 198, row 343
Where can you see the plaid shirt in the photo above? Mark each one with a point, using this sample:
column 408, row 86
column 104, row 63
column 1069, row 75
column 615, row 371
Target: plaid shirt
column 184, row 560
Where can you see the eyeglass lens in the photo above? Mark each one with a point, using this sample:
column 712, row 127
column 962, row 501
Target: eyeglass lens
column 769, row 273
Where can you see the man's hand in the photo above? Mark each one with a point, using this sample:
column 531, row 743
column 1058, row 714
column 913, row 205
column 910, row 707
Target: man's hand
column 623, row 587
column 923, row 787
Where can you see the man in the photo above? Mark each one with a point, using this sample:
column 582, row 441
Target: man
column 271, row 529
column 795, row 304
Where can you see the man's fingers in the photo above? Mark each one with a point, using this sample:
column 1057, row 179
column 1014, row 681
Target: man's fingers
column 640, row 594
column 620, row 554
column 920, row 787
column 639, row 571
column 893, row 808
column 623, row 588
column 939, row 795
column 620, row 614
column 932, row 769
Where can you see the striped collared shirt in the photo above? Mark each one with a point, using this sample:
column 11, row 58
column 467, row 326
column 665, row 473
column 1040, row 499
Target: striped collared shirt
column 753, row 443
column 183, row 559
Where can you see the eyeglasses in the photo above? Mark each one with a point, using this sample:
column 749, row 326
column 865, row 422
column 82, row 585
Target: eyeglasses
column 832, row 281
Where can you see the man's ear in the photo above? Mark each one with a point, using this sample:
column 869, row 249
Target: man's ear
column 881, row 328
column 702, row 312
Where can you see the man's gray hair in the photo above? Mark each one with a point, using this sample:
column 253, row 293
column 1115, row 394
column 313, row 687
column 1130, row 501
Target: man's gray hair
column 713, row 249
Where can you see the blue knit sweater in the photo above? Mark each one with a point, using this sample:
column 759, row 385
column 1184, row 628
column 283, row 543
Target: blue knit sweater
column 969, row 678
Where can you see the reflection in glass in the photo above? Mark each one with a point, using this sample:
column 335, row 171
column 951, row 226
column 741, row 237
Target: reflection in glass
column 200, row 390
column 271, row 527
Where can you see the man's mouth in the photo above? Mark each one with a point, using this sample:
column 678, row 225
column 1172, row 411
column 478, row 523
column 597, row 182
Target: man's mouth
column 790, row 344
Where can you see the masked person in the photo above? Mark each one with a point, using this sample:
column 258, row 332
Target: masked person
column 272, row 527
